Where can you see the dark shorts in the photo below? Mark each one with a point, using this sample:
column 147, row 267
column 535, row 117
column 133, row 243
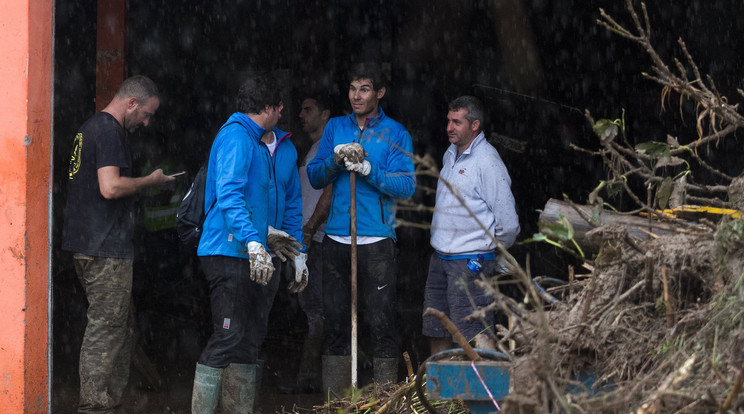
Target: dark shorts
column 450, row 288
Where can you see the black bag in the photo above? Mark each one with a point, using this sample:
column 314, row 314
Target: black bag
column 190, row 215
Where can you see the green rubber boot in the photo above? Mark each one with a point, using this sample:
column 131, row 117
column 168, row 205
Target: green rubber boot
column 336, row 377
column 206, row 393
column 239, row 388
column 385, row 370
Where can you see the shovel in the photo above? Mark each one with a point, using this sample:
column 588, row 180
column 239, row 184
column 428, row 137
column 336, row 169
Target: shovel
column 353, row 233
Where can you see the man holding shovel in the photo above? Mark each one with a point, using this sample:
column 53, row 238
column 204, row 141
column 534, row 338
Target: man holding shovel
column 377, row 150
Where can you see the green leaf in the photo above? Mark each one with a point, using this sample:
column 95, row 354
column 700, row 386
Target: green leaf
column 539, row 237
column 597, row 210
column 653, row 149
column 605, row 129
column 562, row 229
column 594, row 195
column 664, row 191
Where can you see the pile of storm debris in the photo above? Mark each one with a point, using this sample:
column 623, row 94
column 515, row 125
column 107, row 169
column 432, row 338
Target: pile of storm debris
column 653, row 320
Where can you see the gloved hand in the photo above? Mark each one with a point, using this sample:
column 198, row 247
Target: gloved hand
column 261, row 267
column 362, row 168
column 351, row 152
column 300, row 280
column 282, row 244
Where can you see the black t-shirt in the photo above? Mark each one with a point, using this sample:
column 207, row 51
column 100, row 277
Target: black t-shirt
column 93, row 225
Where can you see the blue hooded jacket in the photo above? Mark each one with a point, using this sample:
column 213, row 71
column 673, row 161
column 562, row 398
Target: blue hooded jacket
column 238, row 177
column 285, row 193
column 391, row 177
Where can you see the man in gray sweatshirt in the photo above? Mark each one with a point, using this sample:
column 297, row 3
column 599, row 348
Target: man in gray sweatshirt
column 473, row 192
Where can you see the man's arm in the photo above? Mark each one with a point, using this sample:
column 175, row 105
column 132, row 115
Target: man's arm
column 323, row 170
column 112, row 185
column 396, row 178
column 496, row 190
column 320, row 214
column 292, row 221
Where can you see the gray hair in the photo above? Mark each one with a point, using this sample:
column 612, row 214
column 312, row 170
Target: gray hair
column 473, row 105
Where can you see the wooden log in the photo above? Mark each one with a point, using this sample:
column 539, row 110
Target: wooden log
column 639, row 228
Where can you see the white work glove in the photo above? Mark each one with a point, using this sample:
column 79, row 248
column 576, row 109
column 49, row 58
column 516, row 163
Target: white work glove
column 261, row 267
column 352, row 152
column 300, row 280
column 282, row 244
column 362, row 168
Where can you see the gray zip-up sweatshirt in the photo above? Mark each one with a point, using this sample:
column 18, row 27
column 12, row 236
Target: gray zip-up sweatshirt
column 480, row 178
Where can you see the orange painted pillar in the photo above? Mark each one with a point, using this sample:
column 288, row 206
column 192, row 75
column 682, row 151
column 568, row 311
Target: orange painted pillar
column 110, row 49
column 25, row 144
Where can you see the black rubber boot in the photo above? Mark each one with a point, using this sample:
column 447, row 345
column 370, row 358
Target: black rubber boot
column 385, row 370
column 336, row 375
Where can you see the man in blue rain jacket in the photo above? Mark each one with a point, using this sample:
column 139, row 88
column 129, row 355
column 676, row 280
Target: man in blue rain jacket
column 232, row 250
column 377, row 149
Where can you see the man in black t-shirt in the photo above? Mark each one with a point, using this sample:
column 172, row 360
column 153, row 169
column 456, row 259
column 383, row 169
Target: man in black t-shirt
column 98, row 228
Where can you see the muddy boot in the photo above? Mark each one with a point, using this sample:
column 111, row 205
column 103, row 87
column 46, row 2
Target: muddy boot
column 239, row 388
column 385, row 370
column 206, row 393
column 336, row 375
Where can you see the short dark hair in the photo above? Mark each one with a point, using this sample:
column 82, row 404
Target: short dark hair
column 257, row 92
column 371, row 71
column 322, row 100
column 473, row 105
column 138, row 86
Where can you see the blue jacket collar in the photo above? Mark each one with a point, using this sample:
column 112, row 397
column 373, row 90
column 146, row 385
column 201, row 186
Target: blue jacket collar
column 281, row 135
column 255, row 130
column 371, row 121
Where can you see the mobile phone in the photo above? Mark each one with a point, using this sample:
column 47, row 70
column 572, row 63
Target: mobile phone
column 177, row 174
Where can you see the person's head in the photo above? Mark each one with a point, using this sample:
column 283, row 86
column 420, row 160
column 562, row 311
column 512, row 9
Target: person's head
column 140, row 99
column 464, row 121
column 261, row 96
column 366, row 87
column 315, row 111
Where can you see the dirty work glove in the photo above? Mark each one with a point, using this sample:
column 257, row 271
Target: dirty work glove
column 261, row 267
column 362, row 168
column 300, row 280
column 352, row 152
column 282, row 244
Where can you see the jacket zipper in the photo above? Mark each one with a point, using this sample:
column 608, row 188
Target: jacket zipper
column 272, row 160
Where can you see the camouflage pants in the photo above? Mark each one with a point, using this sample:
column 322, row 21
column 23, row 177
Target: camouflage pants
column 107, row 343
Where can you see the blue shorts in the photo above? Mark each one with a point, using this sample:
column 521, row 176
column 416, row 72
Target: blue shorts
column 450, row 288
